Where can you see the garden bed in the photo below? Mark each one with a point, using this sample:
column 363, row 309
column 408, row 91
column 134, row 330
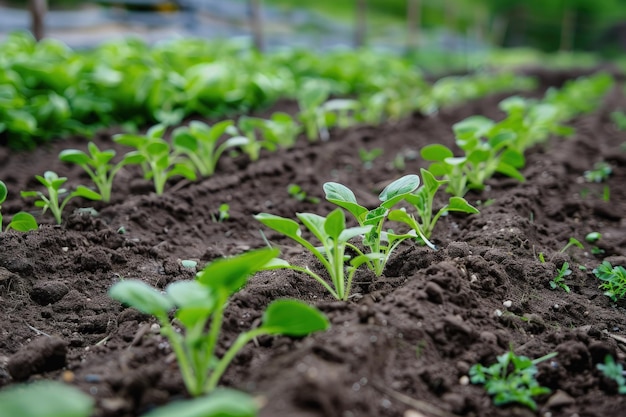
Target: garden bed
column 404, row 341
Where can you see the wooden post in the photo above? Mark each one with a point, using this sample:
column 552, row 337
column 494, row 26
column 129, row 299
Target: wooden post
column 413, row 17
column 360, row 24
column 38, row 10
column 256, row 24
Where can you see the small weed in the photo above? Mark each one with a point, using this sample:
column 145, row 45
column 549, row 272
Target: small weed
column 296, row 192
column 559, row 280
column 599, row 173
column 511, row 386
column 222, row 215
column 614, row 371
column 572, row 242
column 613, row 280
column 22, row 221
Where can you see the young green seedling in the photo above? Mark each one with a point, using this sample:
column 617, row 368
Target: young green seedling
column 379, row 242
column 97, row 164
column 157, row 159
column 45, row 399
column 52, row 200
column 331, row 231
column 559, row 280
column 613, row 280
column 423, row 200
column 368, row 157
column 600, row 172
column 22, row 221
column 199, row 309
column 280, row 131
column 572, row 242
column 614, row 371
column 311, row 97
column 199, row 142
column 511, row 379
column 223, row 214
column 297, row 193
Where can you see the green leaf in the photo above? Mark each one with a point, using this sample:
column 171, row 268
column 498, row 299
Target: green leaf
column 128, row 139
column 431, row 183
column 3, row 192
column 220, row 403
column 184, row 171
column 395, row 191
column 335, row 224
column 514, row 158
column 74, row 156
column 315, row 224
column 190, row 294
column 133, row 158
column 230, row 274
column 461, row 205
column 510, row 171
column 141, row 296
column 82, row 191
column 436, row 153
column 293, row 318
column 351, row 232
column 342, row 196
column 45, row 399
column 23, row 222
column 183, row 139
column 287, row 227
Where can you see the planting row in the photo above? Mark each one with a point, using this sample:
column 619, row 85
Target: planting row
column 48, row 90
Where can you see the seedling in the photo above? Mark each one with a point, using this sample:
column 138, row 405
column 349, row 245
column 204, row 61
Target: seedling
column 311, row 97
column 199, row 309
column 619, row 118
column 52, row 200
column 157, row 159
column 613, row 280
column 280, row 131
column 22, row 221
column 511, row 379
column 45, row 399
column 331, row 231
column 199, row 142
column 614, row 371
column 559, row 280
column 368, row 157
column 223, row 214
column 600, row 172
column 379, row 242
column 593, row 237
column 297, row 193
column 572, row 242
column 97, row 164
column 423, row 201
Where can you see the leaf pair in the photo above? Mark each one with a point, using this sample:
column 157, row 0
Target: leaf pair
column 22, row 221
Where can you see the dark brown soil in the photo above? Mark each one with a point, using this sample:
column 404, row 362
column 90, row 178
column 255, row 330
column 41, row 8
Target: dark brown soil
column 404, row 342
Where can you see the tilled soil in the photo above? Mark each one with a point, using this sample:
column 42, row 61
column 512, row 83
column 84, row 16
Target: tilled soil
column 403, row 343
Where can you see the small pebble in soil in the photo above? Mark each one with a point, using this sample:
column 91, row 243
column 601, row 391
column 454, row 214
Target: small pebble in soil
column 507, row 303
column 464, row 380
column 497, row 313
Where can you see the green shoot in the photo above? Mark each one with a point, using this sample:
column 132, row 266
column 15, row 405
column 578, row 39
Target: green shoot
column 600, row 172
column 606, row 194
column 593, row 237
column 97, row 164
column 199, row 143
column 199, row 309
column 368, row 157
column 22, row 221
column 379, row 242
column 613, row 280
column 542, row 258
column 559, row 280
column 572, row 242
column 158, row 161
column 614, row 371
column 297, row 193
column 223, row 213
column 52, row 200
column 311, row 97
column 332, row 233
column 511, row 379
column 45, row 399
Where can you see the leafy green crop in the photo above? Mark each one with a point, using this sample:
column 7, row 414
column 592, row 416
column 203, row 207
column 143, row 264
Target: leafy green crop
column 201, row 302
column 280, row 131
column 156, row 157
column 54, row 199
column 45, row 399
column 22, row 221
column 559, row 280
column 613, row 280
column 97, row 164
column 380, row 243
column 614, row 371
column 200, row 143
column 511, row 379
column 332, row 233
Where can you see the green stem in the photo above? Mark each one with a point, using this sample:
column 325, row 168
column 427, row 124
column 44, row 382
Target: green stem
column 214, row 332
column 186, row 369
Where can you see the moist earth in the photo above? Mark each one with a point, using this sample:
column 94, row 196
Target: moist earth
column 401, row 346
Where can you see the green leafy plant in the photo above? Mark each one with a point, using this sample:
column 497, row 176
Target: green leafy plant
column 54, row 200
column 572, row 242
column 559, row 280
column 600, row 172
column 368, row 157
column 311, row 97
column 614, row 371
column 199, row 309
column 22, row 221
column 380, row 243
column 45, row 399
column 223, row 213
column 97, row 164
column 200, row 143
column 296, row 192
column 332, row 233
column 613, row 280
column 511, row 379
column 157, row 159
column 423, row 201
